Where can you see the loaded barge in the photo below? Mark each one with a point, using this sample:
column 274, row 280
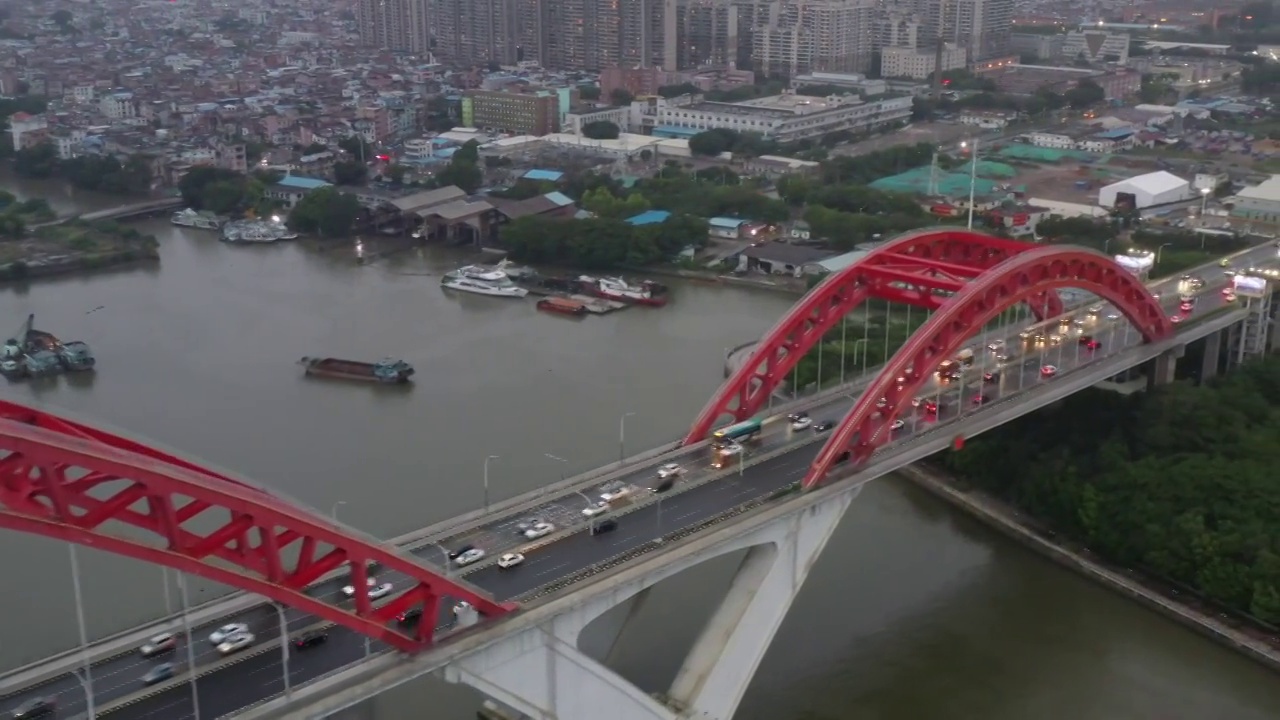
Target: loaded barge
column 387, row 371
column 593, row 295
column 36, row 353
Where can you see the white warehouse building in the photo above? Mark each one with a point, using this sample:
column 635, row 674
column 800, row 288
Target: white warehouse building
column 1144, row 191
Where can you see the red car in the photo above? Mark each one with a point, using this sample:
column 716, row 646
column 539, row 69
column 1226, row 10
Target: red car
column 1048, row 371
column 1186, row 306
column 931, row 407
column 981, row 399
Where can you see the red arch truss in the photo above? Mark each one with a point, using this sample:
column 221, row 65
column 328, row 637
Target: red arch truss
column 1045, row 269
column 71, row 482
column 921, row 268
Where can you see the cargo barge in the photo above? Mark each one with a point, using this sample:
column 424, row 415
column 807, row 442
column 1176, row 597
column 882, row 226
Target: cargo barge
column 609, row 289
column 388, row 371
column 562, row 305
column 36, row 353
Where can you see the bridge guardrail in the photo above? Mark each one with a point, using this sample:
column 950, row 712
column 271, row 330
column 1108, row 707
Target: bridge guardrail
column 929, row 436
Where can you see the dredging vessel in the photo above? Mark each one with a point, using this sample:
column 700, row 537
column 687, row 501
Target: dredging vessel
column 36, row 353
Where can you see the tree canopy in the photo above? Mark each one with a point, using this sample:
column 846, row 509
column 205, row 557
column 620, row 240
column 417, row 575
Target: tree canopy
column 601, row 130
column 600, row 243
column 1178, row 482
column 326, row 212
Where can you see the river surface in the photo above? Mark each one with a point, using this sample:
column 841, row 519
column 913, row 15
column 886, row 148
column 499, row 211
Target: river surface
column 913, row 611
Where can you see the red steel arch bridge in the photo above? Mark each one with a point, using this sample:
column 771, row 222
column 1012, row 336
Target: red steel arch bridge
column 69, row 481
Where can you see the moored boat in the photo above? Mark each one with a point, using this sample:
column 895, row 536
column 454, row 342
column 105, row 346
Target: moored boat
column 483, row 280
column 562, row 305
column 195, row 219
column 646, row 292
column 387, row 370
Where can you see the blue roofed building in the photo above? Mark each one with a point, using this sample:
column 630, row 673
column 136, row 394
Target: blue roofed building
column 725, row 228
column 292, row 188
column 543, row 175
column 650, row 217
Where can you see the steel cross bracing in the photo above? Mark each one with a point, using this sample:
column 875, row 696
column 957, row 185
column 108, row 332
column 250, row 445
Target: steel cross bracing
column 1033, row 274
column 924, row 269
column 67, row 481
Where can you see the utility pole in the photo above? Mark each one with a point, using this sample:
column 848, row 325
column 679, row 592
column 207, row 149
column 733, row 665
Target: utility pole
column 937, row 51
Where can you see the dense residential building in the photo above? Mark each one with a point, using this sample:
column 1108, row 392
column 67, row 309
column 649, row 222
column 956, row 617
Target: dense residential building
column 1096, row 47
column 476, row 32
column 706, row 33
column 981, row 27
column 792, row 37
column 401, row 25
column 533, row 112
column 788, row 117
column 919, row 63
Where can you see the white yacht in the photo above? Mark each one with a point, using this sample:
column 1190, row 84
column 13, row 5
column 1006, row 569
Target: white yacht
column 483, row 281
column 192, row 219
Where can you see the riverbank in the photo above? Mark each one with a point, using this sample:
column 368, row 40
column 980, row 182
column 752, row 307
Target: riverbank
column 74, row 246
column 1004, row 518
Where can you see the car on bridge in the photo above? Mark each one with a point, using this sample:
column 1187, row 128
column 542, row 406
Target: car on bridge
column 510, row 560
column 1048, row 371
column 311, row 638
column 1228, row 294
column 824, row 426
column 410, row 617
column 616, row 494
column 159, row 673
column 36, row 708
column 670, row 470
column 541, row 529
column 159, row 645
column 898, row 424
column 597, row 508
column 236, row 643
column 474, row 555
column 219, row 636
column 1186, row 307
column 981, row 399
column 376, row 591
column 991, row 377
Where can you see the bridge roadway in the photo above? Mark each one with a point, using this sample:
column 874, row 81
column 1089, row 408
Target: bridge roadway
column 230, row 684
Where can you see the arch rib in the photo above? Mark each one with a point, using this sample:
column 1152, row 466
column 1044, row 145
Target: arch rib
column 865, row 428
column 71, row 486
column 898, row 270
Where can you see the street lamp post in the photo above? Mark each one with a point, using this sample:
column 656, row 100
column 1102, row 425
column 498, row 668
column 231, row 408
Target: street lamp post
column 284, row 648
column 1204, row 203
column 973, row 174
column 622, row 436
column 191, row 647
column 1159, row 250
column 84, row 633
column 333, row 511
column 486, row 480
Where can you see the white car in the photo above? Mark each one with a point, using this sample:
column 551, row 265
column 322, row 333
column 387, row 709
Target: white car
column 217, row 637
column 731, row 450
column 802, row 423
column 377, row 593
column 236, row 642
column 995, row 346
column 615, row 495
column 159, row 644
column 510, row 560
column 917, row 402
column 597, row 509
column 473, row 555
column 350, row 590
column 542, row 529
column 670, row 470
column 898, row 425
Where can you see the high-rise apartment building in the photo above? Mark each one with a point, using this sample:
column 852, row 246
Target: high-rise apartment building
column 475, row 32
column 400, row 25
column 793, row 37
column 706, row 33
column 981, row 27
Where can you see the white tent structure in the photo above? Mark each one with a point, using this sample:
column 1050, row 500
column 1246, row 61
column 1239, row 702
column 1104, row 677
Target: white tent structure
column 1157, row 188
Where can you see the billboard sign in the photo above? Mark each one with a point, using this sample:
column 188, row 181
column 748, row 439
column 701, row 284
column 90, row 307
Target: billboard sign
column 1249, row 286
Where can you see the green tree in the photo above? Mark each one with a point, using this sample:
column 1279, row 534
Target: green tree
column 356, row 146
column 601, row 130
column 589, row 92
column 350, row 173
column 606, row 205
column 712, row 142
column 39, row 161
column 619, row 96
column 326, row 212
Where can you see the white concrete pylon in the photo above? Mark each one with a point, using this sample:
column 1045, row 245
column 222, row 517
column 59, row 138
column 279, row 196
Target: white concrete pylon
column 542, row 673
column 719, row 667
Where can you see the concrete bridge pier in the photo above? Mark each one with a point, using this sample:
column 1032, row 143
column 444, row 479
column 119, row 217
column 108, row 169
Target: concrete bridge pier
column 1212, row 356
column 1164, row 366
column 543, row 673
